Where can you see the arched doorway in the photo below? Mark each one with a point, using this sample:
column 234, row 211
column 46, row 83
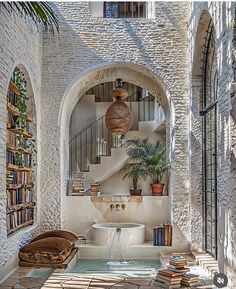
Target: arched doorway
column 205, row 71
column 210, row 119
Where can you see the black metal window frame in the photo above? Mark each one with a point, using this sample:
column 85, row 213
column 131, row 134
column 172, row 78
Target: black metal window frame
column 125, row 9
column 209, row 148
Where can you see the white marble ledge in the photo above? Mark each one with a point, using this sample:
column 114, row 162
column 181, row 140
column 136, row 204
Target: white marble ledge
column 122, row 198
column 116, row 198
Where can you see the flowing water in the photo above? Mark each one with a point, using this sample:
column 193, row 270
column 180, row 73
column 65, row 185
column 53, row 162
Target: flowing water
column 129, row 268
column 115, row 249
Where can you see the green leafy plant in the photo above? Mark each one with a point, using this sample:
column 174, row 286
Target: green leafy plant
column 156, row 162
column 136, row 171
column 150, row 157
column 137, row 168
column 39, row 12
column 29, row 143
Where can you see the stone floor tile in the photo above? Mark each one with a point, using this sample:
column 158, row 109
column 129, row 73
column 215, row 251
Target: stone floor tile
column 124, row 285
column 24, row 269
column 32, row 283
column 17, row 286
column 143, row 281
column 9, row 282
column 18, row 275
column 101, row 284
column 75, row 286
column 76, row 282
column 51, row 286
column 150, row 287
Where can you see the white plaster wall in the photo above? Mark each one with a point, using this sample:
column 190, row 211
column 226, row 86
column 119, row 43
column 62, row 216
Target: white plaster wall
column 83, row 115
column 115, row 184
column 20, row 44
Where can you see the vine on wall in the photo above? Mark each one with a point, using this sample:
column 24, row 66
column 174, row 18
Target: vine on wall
column 29, row 143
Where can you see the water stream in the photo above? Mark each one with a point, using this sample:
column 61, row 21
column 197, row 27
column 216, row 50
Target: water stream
column 116, row 246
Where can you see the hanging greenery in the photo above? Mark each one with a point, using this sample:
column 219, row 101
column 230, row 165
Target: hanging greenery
column 39, row 12
column 28, row 144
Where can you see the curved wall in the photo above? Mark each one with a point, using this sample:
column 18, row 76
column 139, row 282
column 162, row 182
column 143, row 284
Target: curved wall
column 20, row 46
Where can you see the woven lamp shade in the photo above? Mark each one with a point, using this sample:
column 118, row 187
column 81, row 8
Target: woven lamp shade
column 118, row 116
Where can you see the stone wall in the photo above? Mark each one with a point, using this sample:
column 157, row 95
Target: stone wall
column 20, row 45
column 93, row 50
column 222, row 14
column 151, row 53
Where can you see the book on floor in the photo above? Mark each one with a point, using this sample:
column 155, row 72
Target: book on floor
column 168, row 280
column 182, row 270
column 178, row 265
column 166, row 286
column 168, row 272
column 190, row 284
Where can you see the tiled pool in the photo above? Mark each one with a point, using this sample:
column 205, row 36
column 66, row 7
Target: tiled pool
column 128, row 268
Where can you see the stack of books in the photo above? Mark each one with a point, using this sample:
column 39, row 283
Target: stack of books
column 94, row 189
column 78, row 185
column 177, row 262
column 9, row 177
column 162, row 235
column 190, row 280
column 168, row 279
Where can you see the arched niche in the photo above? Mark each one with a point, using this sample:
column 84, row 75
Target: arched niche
column 20, row 154
column 128, row 72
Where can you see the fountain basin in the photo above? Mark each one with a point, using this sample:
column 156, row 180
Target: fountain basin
column 126, row 234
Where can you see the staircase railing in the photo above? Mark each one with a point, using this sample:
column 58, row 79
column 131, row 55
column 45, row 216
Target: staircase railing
column 96, row 140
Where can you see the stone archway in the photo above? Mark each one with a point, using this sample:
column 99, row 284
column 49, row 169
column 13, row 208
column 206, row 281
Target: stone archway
column 128, row 72
column 150, row 81
column 108, row 72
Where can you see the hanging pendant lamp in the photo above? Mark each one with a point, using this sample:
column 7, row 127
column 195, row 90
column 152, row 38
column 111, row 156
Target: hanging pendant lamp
column 118, row 117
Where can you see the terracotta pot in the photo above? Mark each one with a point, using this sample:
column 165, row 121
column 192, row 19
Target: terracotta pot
column 157, row 189
column 135, row 192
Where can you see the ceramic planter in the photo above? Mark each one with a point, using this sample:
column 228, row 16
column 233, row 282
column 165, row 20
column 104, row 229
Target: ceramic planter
column 135, row 192
column 157, row 189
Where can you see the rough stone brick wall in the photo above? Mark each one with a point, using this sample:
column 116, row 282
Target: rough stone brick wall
column 222, row 14
column 158, row 45
column 20, row 44
column 141, row 50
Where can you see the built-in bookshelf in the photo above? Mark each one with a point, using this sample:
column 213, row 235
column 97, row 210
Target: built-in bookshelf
column 19, row 178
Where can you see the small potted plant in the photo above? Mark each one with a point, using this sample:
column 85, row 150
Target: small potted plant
column 156, row 165
column 137, row 167
column 150, row 160
column 135, row 172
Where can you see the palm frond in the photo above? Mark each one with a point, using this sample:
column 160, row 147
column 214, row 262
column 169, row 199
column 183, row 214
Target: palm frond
column 39, row 12
column 148, row 158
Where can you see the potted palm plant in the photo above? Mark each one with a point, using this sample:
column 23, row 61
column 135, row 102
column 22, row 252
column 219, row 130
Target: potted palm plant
column 135, row 172
column 150, row 159
column 156, row 165
column 137, row 167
